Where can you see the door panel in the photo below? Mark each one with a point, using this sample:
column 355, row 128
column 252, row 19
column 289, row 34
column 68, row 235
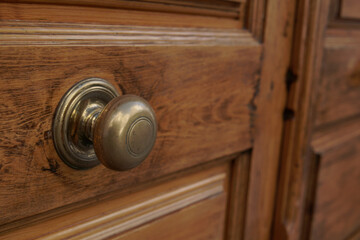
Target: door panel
column 212, row 70
column 336, row 202
column 339, row 91
column 193, row 205
column 350, row 9
column 318, row 185
column 184, row 85
column 201, row 83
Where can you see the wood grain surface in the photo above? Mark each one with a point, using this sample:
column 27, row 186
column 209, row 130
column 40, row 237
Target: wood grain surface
column 344, row 15
column 219, row 8
column 296, row 165
column 336, row 212
column 270, row 104
column 350, row 9
column 255, row 21
column 338, row 97
column 192, row 206
column 30, row 33
column 217, row 90
column 238, row 189
column 203, row 109
column 55, row 13
column 317, row 42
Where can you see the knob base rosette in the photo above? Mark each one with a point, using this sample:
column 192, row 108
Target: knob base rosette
column 93, row 123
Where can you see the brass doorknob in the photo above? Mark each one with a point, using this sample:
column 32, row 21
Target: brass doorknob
column 94, row 123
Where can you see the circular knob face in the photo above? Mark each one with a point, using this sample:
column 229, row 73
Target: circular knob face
column 125, row 132
column 140, row 136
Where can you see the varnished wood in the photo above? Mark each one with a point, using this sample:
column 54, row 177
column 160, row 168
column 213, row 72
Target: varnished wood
column 81, row 14
column 296, row 169
column 255, row 21
column 355, row 235
column 339, row 38
column 183, row 84
column 58, row 212
column 198, row 199
column 237, row 199
column 12, row 33
column 217, row 90
column 331, row 137
column 204, row 220
column 219, row 8
column 338, row 18
column 338, row 97
column 350, row 9
column 301, row 164
column 268, row 122
column 337, row 196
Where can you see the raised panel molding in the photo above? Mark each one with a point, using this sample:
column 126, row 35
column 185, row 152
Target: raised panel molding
column 115, row 216
column 57, row 13
column 220, row 8
column 336, row 194
column 72, row 22
column 26, row 33
column 216, row 14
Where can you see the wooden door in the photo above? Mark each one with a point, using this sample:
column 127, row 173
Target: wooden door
column 214, row 72
column 319, row 195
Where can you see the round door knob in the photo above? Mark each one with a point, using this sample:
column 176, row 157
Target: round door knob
column 125, row 132
column 94, row 123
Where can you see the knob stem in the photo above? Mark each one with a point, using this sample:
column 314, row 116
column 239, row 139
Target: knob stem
column 90, row 122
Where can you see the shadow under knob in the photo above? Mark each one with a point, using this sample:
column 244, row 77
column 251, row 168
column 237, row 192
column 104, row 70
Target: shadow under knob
column 93, row 123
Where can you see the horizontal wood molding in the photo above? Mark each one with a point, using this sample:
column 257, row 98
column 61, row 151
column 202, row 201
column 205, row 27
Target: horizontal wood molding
column 30, row 33
column 218, row 14
column 95, row 15
column 342, row 38
column 334, row 136
column 114, row 216
column 87, row 12
column 219, row 8
column 203, row 220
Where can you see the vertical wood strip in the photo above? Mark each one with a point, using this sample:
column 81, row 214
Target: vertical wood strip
column 256, row 17
column 269, row 119
column 296, row 161
column 237, row 199
column 313, row 167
